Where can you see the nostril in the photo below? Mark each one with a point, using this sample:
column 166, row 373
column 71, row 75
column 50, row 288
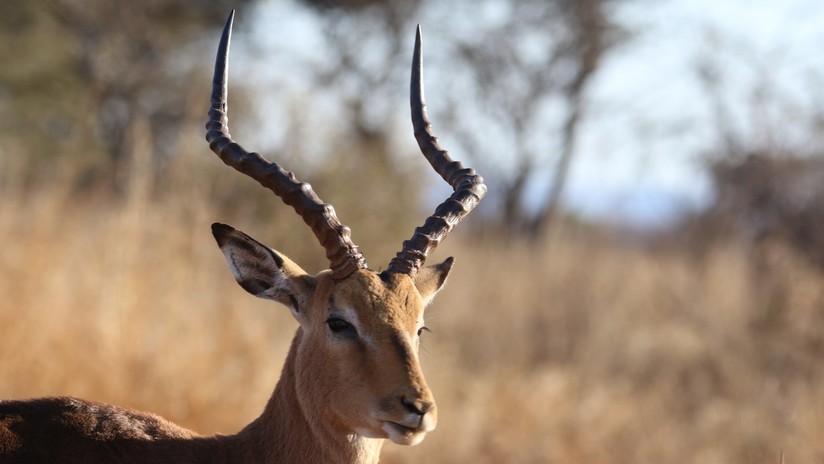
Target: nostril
column 416, row 405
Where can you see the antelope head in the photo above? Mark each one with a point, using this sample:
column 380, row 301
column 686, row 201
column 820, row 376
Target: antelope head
column 354, row 359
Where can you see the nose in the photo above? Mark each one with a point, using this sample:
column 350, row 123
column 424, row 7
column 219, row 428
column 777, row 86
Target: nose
column 417, row 405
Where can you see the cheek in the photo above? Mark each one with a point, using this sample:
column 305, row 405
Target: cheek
column 353, row 369
column 353, row 377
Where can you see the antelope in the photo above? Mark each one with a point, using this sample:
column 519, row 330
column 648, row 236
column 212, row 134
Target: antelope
column 352, row 377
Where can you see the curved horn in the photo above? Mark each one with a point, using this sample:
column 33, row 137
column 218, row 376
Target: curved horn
column 343, row 254
column 468, row 187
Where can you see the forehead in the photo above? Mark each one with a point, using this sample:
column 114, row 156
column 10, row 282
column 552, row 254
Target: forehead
column 391, row 300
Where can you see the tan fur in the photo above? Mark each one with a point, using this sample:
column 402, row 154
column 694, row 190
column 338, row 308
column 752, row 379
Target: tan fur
column 335, row 401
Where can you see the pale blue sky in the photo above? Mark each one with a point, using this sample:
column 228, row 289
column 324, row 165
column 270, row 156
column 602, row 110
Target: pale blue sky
column 640, row 158
column 649, row 119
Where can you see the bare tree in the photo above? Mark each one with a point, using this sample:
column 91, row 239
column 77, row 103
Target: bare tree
column 531, row 67
column 765, row 162
column 523, row 66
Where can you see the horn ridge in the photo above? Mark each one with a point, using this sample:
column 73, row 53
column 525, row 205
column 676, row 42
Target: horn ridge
column 468, row 186
column 342, row 253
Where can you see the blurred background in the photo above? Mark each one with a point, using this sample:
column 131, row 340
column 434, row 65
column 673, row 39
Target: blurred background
column 643, row 282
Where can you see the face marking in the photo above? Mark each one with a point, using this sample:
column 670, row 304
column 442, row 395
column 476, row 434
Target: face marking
column 351, row 316
column 402, row 348
column 374, row 363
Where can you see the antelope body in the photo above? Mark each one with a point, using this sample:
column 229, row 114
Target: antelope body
column 352, row 376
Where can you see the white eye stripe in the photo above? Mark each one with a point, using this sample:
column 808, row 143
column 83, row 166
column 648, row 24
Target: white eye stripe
column 351, row 316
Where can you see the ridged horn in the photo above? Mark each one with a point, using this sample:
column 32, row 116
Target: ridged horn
column 469, row 188
column 344, row 257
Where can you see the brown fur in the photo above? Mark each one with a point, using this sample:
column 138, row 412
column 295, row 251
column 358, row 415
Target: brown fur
column 69, row 430
column 336, row 394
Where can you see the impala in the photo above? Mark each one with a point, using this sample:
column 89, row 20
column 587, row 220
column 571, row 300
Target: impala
column 352, row 377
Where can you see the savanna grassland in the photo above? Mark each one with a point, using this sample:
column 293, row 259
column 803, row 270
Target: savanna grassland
column 582, row 350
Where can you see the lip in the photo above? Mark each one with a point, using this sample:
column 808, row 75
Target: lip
column 402, row 428
column 402, row 434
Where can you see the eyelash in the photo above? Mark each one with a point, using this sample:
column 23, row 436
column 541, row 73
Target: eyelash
column 338, row 326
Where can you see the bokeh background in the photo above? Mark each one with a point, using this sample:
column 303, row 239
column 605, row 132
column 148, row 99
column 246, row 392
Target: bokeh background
column 643, row 282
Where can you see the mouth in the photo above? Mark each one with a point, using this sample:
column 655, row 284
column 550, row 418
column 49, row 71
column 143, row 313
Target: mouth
column 402, row 434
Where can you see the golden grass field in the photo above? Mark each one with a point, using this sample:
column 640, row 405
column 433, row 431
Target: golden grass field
column 583, row 351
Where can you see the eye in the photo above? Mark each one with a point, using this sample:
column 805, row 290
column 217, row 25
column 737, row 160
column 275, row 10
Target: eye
column 340, row 327
column 422, row 330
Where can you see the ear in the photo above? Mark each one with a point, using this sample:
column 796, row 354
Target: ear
column 261, row 271
column 430, row 279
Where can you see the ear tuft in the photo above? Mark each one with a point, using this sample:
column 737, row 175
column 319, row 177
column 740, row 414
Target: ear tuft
column 220, row 231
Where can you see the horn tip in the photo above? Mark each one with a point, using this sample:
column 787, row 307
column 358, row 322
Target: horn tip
column 230, row 20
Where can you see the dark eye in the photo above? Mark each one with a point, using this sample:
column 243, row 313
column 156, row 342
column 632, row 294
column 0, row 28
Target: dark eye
column 422, row 330
column 339, row 326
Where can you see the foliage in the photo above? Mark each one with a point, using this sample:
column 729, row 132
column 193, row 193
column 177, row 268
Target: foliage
column 591, row 349
column 82, row 74
column 74, row 105
column 515, row 82
column 764, row 161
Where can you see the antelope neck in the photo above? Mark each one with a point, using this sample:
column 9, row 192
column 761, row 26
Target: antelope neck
column 291, row 430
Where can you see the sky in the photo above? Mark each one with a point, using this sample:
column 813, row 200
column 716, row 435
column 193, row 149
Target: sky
column 649, row 121
column 644, row 162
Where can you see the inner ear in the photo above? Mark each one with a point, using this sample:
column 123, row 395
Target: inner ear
column 430, row 279
column 262, row 271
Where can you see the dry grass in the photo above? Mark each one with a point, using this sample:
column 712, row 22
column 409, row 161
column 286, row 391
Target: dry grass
column 585, row 352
